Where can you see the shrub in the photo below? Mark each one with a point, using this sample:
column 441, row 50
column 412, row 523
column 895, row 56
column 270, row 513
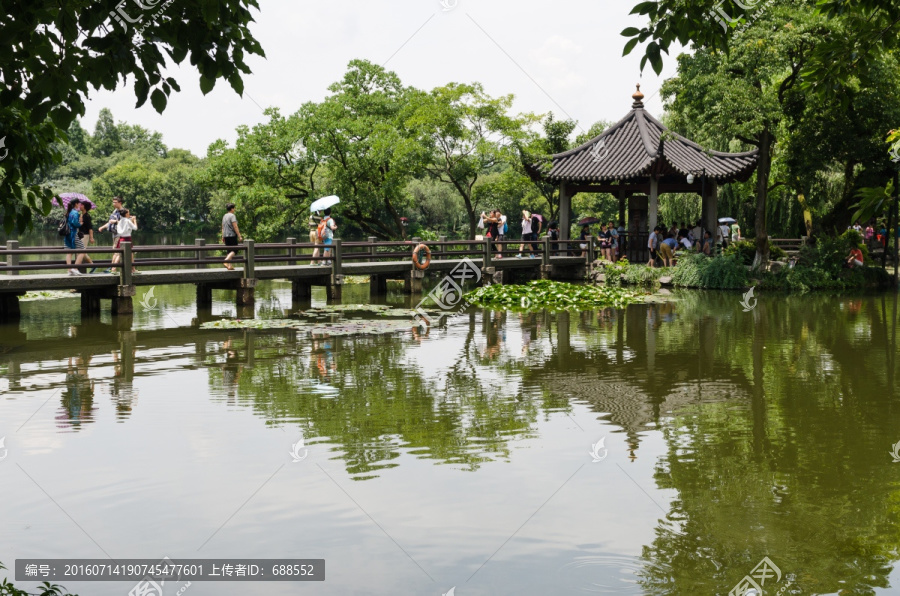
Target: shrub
column 746, row 250
column 623, row 272
column 700, row 271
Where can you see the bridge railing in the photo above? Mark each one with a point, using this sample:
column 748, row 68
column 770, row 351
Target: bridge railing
column 290, row 253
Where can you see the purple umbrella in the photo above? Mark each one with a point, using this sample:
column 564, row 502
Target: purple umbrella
column 64, row 198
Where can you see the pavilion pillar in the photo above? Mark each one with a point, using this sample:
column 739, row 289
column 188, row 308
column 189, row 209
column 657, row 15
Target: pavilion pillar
column 653, row 214
column 622, row 196
column 565, row 211
column 710, row 204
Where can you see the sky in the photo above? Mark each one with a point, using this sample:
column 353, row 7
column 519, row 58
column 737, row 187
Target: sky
column 563, row 56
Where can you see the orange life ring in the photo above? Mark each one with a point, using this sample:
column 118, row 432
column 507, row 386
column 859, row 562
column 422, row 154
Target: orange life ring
column 417, row 262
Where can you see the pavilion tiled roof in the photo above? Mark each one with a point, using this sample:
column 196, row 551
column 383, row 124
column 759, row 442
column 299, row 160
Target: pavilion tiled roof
column 637, row 146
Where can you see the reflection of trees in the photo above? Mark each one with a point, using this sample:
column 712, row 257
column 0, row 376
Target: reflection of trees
column 801, row 473
column 381, row 405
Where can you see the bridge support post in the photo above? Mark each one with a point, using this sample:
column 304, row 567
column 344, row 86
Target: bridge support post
column 9, row 306
column 301, row 289
column 204, row 295
column 377, row 285
column 123, row 301
column 246, row 292
column 412, row 281
column 335, row 287
column 90, row 303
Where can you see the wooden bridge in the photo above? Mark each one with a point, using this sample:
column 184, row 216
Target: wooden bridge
column 36, row 269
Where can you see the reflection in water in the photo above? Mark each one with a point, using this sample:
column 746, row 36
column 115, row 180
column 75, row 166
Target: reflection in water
column 775, row 424
column 78, row 396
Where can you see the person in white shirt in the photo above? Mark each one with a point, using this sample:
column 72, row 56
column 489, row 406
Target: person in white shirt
column 126, row 225
column 725, row 231
column 685, row 242
column 526, row 231
column 653, row 244
column 697, row 232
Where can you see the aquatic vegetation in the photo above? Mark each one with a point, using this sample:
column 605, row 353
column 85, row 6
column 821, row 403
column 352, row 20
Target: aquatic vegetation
column 553, row 295
column 47, row 295
column 255, row 324
column 318, row 328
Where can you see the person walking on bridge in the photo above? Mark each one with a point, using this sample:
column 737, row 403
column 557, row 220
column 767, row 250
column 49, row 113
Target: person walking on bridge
column 231, row 234
column 112, row 224
column 72, row 241
column 313, row 224
column 326, row 235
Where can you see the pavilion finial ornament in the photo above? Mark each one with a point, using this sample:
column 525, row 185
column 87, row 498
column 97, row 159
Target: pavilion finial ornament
column 637, row 97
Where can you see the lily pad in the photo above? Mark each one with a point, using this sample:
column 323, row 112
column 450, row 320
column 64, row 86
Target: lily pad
column 553, row 295
column 255, row 324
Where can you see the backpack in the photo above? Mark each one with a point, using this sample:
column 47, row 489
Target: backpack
column 505, row 228
column 64, row 229
column 320, row 230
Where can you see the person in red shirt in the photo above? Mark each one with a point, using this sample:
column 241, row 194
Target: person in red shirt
column 856, row 258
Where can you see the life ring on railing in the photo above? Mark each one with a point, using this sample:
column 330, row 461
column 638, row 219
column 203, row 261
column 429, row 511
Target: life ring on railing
column 418, row 263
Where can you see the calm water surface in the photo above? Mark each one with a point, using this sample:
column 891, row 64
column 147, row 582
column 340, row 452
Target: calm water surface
column 462, row 457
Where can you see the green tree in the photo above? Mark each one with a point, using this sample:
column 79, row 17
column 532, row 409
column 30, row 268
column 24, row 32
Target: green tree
column 369, row 153
column 269, row 173
column 53, row 55
column 106, row 139
column 725, row 100
column 535, row 150
column 467, row 134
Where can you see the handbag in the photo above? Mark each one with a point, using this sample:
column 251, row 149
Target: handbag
column 63, row 229
column 480, row 224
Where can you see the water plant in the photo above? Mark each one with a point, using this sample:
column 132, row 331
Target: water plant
column 553, row 295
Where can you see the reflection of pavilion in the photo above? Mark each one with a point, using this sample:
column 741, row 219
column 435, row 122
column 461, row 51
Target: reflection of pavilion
column 643, row 372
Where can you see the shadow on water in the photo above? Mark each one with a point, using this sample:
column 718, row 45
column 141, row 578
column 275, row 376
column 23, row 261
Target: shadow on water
column 776, row 423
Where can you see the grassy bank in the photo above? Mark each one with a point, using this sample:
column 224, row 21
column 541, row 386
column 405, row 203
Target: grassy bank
column 818, row 266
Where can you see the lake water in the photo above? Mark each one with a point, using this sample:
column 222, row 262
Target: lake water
column 467, row 457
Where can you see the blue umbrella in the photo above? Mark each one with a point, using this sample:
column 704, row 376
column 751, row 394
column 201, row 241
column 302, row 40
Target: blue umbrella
column 324, row 203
